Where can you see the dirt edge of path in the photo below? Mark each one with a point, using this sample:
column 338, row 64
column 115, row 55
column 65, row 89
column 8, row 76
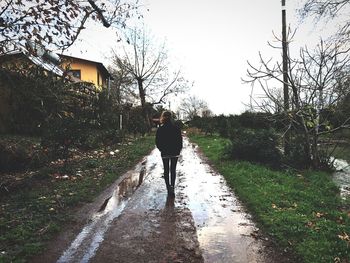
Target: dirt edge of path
column 80, row 217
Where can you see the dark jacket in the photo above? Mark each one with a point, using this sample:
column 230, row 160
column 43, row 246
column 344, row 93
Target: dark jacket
column 169, row 139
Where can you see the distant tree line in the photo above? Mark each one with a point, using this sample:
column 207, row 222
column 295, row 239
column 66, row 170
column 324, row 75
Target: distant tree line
column 257, row 136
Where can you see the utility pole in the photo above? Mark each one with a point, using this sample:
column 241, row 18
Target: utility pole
column 285, row 57
column 285, row 73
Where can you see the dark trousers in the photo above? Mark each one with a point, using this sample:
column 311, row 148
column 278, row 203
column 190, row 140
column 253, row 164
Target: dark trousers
column 170, row 163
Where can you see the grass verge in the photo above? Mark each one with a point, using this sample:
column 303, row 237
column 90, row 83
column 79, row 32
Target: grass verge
column 302, row 212
column 31, row 214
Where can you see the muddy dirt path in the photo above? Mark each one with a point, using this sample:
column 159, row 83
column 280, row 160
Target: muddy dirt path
column 135, row 221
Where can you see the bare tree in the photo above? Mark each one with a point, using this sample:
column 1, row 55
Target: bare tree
column 55, row 22
column 120, row 84
column 314, row 81
column 330, row 9
column 148, row 67
column 192, row 106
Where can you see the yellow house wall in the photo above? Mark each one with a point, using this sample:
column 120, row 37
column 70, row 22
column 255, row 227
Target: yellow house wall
column 89, row 71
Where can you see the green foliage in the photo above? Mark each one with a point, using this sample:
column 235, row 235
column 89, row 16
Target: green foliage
column 107, row 111
column 135, row 122
column 301, row 212
column 225, row 125
column 69, row 125
column 259, row 145
column 34, row 95
column 220, row 124
column 337, row 115
column 19, row 152
column 254, row 120
column 62, row 134
column 13, row 158
column 298, row 156
column 99, row 138
column 85, row 121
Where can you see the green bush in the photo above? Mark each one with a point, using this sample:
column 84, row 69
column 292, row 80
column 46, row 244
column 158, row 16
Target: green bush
column 254, row 120
column 98, row 138
column 254, row 145
column 222, row 126
column 13, row 158
column 34, row 95
column 63, row 133
column 135, row 123
column 20, row 153
column 297, row 156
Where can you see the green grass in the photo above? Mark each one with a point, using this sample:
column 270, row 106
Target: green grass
column 32, row 215
column 302, row 212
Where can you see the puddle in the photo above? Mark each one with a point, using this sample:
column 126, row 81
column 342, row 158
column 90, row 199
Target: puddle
column 225, row 232
column 342, row 177
column 84, row 247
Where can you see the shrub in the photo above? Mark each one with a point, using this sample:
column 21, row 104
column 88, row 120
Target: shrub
column 193, row 131
column 135, row 123
column 20, row 153
column 98, row 138
column 33, row 95
column 13, row 158
column 62, row 134
column 254, row 120
column 297, row 156
column 254, row 145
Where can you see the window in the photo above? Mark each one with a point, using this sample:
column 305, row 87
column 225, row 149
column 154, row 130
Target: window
column 75, row 73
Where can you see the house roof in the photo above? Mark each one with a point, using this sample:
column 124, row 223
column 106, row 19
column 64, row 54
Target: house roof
column 39, row 61
column 48, row 65
column 100, row 66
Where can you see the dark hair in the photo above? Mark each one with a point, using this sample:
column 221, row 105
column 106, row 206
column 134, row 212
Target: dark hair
column 165, row 117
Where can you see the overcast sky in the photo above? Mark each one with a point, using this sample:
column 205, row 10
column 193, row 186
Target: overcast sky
column 212, row 41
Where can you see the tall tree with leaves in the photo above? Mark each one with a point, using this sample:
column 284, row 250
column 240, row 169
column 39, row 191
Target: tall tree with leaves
column 55, row 22
column 147, row 65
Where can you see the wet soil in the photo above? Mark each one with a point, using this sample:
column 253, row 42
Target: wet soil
column 135, row 221
column 342, row 177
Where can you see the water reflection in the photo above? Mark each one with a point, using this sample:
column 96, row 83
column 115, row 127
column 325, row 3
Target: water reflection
column 169, row 204
column 342, row 177
column 84, row 247
column 224, row 231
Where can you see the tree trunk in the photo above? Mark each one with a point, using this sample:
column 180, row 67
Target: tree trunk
column 143, row 103
column 315, row 153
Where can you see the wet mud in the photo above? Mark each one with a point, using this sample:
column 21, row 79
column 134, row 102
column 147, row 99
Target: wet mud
column 226, row 232
column 135, row 221
column 342, row 177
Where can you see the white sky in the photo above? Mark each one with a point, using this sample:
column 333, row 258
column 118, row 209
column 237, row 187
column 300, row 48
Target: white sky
column 212, row 41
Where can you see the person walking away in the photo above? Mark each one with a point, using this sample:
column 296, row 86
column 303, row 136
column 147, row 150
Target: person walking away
column 169, row 143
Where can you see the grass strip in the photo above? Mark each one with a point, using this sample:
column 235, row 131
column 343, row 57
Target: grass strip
column 301, row 211
column 32, row 215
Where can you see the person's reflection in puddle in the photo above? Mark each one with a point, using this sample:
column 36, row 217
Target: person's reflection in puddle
column 169, row 204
